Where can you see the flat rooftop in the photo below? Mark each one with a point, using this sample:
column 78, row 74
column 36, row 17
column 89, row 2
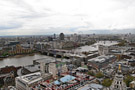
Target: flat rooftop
column 92, row 86
column 102, row 58
column 30, row 78
column 33, row 68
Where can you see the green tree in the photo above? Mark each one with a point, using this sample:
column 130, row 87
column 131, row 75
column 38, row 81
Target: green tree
column 99, row 75
column 1, row 85
column 128, row 79
column 91, row 73
column 122, row 43
column 107, row 82
column 5, row 54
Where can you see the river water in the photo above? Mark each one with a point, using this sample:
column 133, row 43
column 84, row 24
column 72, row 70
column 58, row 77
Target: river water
column 20, row 61
column 94, row 47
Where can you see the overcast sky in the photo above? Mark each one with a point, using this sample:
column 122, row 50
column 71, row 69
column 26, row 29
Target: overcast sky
column 35, row 17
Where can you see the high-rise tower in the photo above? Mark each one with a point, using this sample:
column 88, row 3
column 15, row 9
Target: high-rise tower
column 61, row 36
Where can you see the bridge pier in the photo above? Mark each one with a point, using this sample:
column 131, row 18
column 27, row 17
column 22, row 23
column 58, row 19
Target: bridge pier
column 55, row 54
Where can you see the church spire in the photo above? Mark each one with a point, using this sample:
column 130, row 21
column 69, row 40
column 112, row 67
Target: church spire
column 118, row 83
column 119, row 69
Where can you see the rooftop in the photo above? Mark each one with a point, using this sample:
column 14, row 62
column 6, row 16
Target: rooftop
column 102, row 58
column 7, row 69
column 31, row 78
column 92, row 86
column 67, row 78
column 33, row 68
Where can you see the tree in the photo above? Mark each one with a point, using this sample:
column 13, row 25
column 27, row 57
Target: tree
column 0, row 86
column 99, row 75
column 122, row 43
column 128, row 79
column 107, row 82
column 91, row 73
column 5, row 54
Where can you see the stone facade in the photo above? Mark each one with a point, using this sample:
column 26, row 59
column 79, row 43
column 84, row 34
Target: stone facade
column 103, row 50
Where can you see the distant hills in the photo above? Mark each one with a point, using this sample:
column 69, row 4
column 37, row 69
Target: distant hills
column 115, row 31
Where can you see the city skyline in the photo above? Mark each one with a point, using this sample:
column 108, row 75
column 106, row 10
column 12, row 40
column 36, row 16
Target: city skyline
column 40, row 17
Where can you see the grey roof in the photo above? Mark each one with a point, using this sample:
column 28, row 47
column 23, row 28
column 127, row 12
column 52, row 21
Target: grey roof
column 33, row 68
column 92, row 86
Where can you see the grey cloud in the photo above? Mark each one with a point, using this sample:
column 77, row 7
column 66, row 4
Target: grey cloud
column 23, row 4
column 27, row 16
column 10, row 26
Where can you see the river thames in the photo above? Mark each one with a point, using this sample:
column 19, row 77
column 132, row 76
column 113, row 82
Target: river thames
column 20, row 61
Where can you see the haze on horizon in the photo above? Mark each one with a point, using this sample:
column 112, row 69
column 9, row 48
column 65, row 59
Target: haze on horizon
column 39, row 17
